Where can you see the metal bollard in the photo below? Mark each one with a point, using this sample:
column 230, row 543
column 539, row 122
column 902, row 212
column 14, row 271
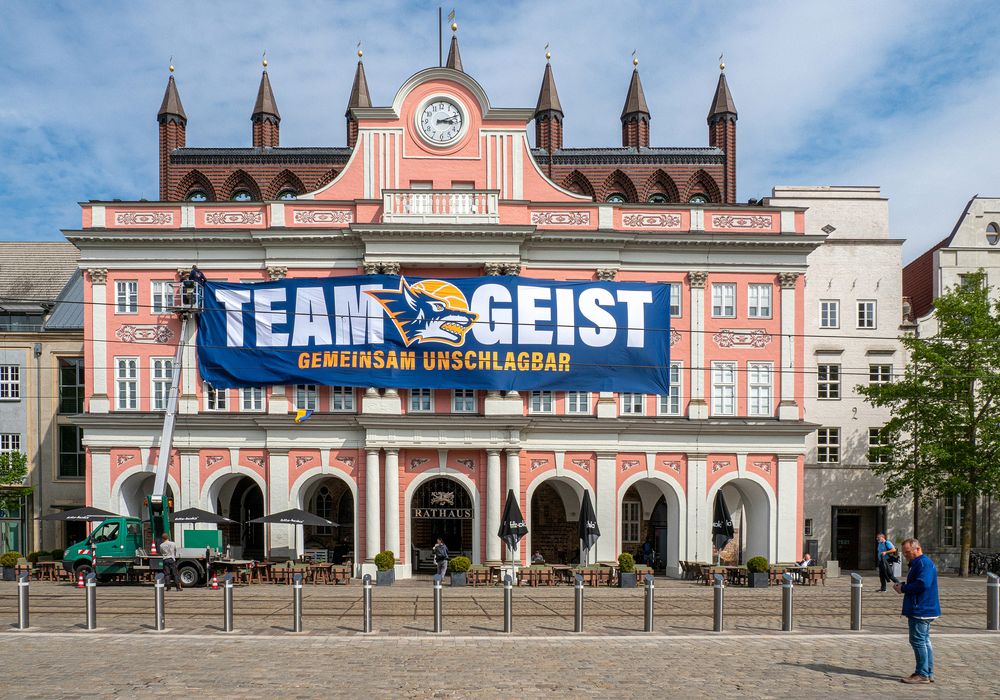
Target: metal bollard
column 159, row 587
column 786, row 603
column 23, row 621
column 508, row 600
column 647, row 617
column 993, row 602
column 227, row 603
column 856, row 602
column 297, row 603
column 91, row 590
column 718, row 623
column 366, row 602
column 578, row 608
column 438, row 627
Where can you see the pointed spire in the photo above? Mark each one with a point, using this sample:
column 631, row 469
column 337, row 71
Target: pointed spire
column 171, row 108
column 548, row 96
column 265, row 106
column 635, row 100
column 722, row 104
column 359, row 91
column 454, row 57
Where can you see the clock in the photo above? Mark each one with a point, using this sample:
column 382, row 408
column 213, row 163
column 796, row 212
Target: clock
column 440, row 122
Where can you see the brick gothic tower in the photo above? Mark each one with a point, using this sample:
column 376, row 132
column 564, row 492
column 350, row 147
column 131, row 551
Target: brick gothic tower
column 635, row 114
column 359, row 98
column 548, row 114
column 722, row 134
column 173, row 127
column 265, row 117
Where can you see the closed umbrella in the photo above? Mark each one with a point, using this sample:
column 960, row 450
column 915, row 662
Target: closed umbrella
column 86, row 514
column 722, row 525
column 197, row 515
column 512, row 526
column 589, row 531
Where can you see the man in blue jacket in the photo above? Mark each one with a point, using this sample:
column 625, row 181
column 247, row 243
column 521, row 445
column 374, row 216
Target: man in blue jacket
column 921, row 607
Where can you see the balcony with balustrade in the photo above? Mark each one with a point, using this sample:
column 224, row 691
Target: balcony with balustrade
column 440, row 206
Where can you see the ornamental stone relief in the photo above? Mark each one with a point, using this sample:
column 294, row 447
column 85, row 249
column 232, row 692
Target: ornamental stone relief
column 697, row 279
column 98, row 275
column 560, row 218
column 675, row 337
column 300, row 461
column 763, row 466
column 469, row 464
column 730, row 338
column 323, row 216
column 144, row 218
column 347, row 461
column 743, row 221
column 584, row 464
column 718, row 465
column 672, row 465
column 213, row 460
column 135, row 333
column 276, row 272
column 538, row 464
column 416, row 463
column 652, row 220
column 787, row 280
column 124, row 459
column 233, row 218
column 629, row 464
column 606, row 274
column 259, row 461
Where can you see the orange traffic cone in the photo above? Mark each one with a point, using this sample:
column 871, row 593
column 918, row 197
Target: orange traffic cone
column 79, row 580
column 152, row 549
column 215, row 582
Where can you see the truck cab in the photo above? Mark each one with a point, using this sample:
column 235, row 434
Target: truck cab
column 108, row 550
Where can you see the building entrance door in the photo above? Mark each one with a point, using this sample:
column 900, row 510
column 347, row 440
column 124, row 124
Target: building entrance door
column 440, row 508
column 848, row 539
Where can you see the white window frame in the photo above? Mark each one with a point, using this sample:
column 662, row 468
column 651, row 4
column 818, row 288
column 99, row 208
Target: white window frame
column 874, row 441
column 463, row 401
column 10, row 442
column 877, row 374
column 670, row 404
column 10, row 382
column 676, row 300
column 252, row 399
column 951, row 512
column 870, row 319
column 756, row 384
column 161, row 296
column 416, row 401
column 723, row 300
column 829, row 313
column 160, row 373
column 216, row 399
column 828, row 445
column 342, row 399
column 631, row 522
column 126, row 378
column 542, row 402
column 807, row 527
column 760, row 300
column 127, row 296
column 306, row 397
column 827, row 383
column 724, row 388
column 584, row 406
column 630, row 401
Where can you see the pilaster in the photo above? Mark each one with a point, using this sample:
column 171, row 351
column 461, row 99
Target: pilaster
column 698, row 406
column 493, row 506
column 99, row 401
column 699, row 511
column 392, row 503
column 606, row 505
column 788, row 525
column 282, row 537
column 788, row 408
column 373, row 515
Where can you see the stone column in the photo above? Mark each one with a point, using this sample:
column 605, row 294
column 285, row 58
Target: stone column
column 698, row 407
column 606, row 504
column 280, row 537
column 392, row 502
column 787, row 517
column 494, row 503
column 788, row 409
column 373, row 535
column 513, row 482
column 699, row 512
column 99, row 400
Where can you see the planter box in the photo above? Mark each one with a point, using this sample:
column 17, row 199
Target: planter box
column 758, row 580
column 385, row 578
column 458, row 578
column 627, row 580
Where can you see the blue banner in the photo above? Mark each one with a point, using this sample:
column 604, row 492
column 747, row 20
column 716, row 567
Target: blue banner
column 495, row 333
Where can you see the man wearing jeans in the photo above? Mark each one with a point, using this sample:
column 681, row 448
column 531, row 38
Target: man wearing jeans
column 886, row 550
column 921, row 607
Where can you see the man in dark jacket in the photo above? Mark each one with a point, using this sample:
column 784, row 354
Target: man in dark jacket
column 921, row 607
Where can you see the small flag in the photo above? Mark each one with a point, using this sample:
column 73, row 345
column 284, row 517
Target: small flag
column 303, row 414
column 451, row 16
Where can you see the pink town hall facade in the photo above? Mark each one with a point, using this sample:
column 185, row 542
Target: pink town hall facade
column 396, row 468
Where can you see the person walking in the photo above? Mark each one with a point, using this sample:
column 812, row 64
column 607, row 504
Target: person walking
column 888, row 556
column 168, row 550
column 441, row 557
column 921, row 607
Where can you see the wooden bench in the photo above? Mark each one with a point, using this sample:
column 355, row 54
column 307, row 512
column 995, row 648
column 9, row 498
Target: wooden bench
column 478, row 576
column 340, row 573
column 811, row 574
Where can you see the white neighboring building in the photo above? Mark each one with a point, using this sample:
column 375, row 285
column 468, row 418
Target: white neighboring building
column 853, row 317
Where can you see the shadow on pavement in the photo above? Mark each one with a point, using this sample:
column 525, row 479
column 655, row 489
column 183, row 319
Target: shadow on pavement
column 828, row 668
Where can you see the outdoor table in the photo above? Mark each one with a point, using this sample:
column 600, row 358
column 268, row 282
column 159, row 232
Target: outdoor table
column 737, row 575
column 562, row 573
column 48, row 570
column 240, row 568
column 537, row 575
column 320, row 572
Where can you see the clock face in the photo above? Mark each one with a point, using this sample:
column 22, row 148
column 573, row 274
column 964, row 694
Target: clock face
column 441, row 122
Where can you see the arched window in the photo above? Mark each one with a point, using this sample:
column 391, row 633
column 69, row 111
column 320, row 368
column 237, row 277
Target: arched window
column 324, row 509
column 993, row 234
column 197, row 196
column 698, row 199
column 616, row 198
column 287, row 195
column 657, row 198
column 242, row 196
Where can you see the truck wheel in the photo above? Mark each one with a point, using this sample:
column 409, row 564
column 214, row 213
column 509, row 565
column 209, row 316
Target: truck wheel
column 85, row 569
column 189, row 575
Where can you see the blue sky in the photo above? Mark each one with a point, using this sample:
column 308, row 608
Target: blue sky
column 898, row 94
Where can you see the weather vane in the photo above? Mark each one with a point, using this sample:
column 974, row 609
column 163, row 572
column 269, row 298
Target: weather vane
column 722, row 63
column 263, row 58
column 360, row 52
column 451, row 18
column 548, row 54
column 635, row 57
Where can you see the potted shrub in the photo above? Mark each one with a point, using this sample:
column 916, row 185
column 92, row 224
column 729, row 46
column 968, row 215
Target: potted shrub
column 758, row 568
column 626, row 570
column 8, row 561
column 385, row 562
column 458, row 567
column 57, row 554
column 33, row 557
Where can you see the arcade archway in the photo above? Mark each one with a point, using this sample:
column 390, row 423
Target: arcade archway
column 440, row 507
column 240, row 498
column 331, row 498
column 651, row 523
column 751, row 509
column 553, row 524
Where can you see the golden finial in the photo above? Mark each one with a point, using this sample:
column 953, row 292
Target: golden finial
column 548, row 54
column 635, row 58
column 722, row 63
column 360, row 52
column 454, row 26
column 171, row 66
column 264, row 59
column 451, row 18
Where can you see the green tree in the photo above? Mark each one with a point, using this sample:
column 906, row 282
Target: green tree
column 13, row 473
column 944, row 435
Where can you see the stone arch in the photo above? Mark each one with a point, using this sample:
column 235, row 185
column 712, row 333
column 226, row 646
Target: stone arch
column 240, row 180
column 211, row 489
column 578, row 182
column 660, row 183
column 676, row 516
column 221, row 487
column 570, row 487
column 470, row 487
column 701, row 182
column 297, row 499
column 192, row 181
column 126, row 496
column 752, row 492
column 325, row 179
column 285, row 180
column 618, row 181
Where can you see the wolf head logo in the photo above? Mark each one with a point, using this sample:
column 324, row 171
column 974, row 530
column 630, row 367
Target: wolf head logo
column 428, row 311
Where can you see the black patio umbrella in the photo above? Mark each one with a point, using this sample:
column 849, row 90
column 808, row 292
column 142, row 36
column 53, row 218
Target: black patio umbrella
column 295, row 516
column 86, row 514
column 197, row 515
column 589, row 531
column 722, row 524
column 512, row 525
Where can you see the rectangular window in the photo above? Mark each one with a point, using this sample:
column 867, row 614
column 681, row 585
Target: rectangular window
column 760, row 391
column 70, row 385
column 541, row 402
column 342, row 398
column 828, row 381
column 875, row 445
column 724, row 300
column 632, row 404
column 866, row 314
column 676, row 289
column 578, row 402
column 807, row 527
column 162, row 370
column 252, row 399
column 463, row 401
column 759, row 305
column 217, row 399
column 10, row 442
column 670, row 404
column 71, row 458
column 126, row 297
column 631, row 522
column 723, row 388
column 163, row 296
column 828, row 445
column 10, row 382
column 879, row 374
column 829, row 313
column 951, row 512
column 421, row 400
column 127, row 383
column 305, row 397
